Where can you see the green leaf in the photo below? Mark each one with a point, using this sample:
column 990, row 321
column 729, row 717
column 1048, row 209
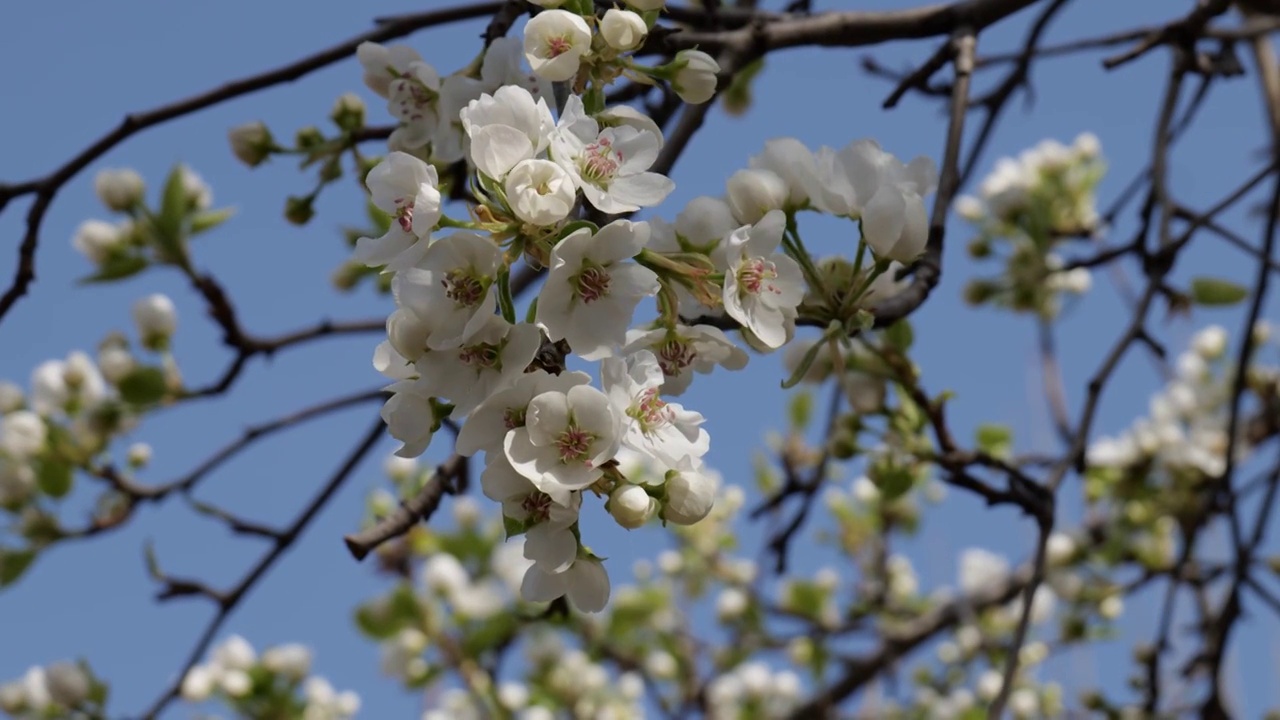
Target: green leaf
column 994, row 439
column 174, row 206
column 117, row 268
column 1216, row 292
column 144, row 386
column 13, row 563
column 893, row 481
column 900, row 336
column 54, row 477
column 736, row 98
column 512, row 527
column 210, row 219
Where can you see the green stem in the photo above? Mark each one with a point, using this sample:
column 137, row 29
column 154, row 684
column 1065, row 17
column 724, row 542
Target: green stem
column 505, row 300
column 795, row 248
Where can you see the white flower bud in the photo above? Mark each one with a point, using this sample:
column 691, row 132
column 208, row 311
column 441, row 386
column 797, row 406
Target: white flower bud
column 1210, row 343
column 623, row 29
column 156, row 319
column 22, row 434
column 752, row 193
column 251, row 142
column 235, row 653
column 661, row 664
column 139, row 455
column 1087, row 145
column 197, row 686
column 399, row 469
column 13, row 698
column 865, row 491
column 695, row 81
column 11, row 397
column 347, row 703
column 407, row 334
column 690, row 495
column 969, row 207
column 1023, row 703
column 989, row 684
column 706, row 220
column 1261, row 332
column 96, row 239
column 555, row 42
column 731, row 603
column 67, row 683
column 1111, row 607
column 292, row 661
column 466, row 512
column 199, row 195
column 235, row 683
column 669, row 562
column 513, row 695
column 348, row 109
column 969, row 638
column 119, row 189
column 948, row 652
column 631, row 506
column 540, row 192
column 1059, row 549
column 115, row 362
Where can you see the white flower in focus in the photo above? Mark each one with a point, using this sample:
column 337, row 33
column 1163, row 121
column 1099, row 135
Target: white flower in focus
column 251, row 142
column 623, row 29
column 407, row 334
column 620, row 115
column 22, row 434
column 585, row 583
column 506, row 410
column 452, row 288
column 666, row 432
column 894, row 221
column 119, row 189
column 705, row 222
column 384, row 63
column 631, row 506
column 555, row 41
column 691, row 493
column 695, row 80
column 405, row 188
column 754, row 192
column 685, row 350
column 410, row 417
column 156, row 318
column 540, row 192
column 97, row 239
column 567, row 438
column 505, row 128
column 590, row 293
column 490, row 360
column 610, row 164
column 761, row 287
column 980, row 570
column 549, row 542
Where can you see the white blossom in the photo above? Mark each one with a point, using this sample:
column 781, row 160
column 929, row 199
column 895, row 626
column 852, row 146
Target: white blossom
column 156, row 318
column 292, row 660
column 664, row 431
column 981, row 569
column 555, row 42
column 384, row 63
column 591, row 292
column 452, row 288
column 567, row 438
column 631, row 506
column 761, row 287
column 198, row 683
column 405, row 188
column 585, row 584
column 610, row 164
column 410, row 417
column 22, row 434
column 505, row 128
column 623, row 29
column 540, row 192
column 684, row 350
column 691, row 492
column 752, row 193
column 97, row 240
column 506, row 410
column 119, row 189
column 695, row 80
column 789, row 159
column 490, row 360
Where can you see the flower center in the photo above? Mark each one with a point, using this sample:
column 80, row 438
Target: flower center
column 674, row 356
column 600, row 161
column 574, row 444
column 650, row 411
column 484, row 355
column 411, row 97
column 404, row 213
column 593, row 284
column 757, row 276
column 538, row 505
column 558, row 45
column 463, row 288
column 513, row 418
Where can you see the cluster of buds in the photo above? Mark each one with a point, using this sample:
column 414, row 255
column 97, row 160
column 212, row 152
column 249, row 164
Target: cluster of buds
column 253, row 685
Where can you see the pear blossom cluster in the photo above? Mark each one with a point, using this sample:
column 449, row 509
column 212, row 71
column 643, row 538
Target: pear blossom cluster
column 247, row 682
column 58, row 690
column 1028, row 206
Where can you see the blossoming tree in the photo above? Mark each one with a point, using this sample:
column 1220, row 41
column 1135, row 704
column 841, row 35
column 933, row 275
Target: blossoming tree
column 545, row 312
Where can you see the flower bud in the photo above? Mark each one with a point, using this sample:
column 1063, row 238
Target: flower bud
column 540, row 192
column 156, row 319
column 1210, row 343
column 1111, row 607
column 199, row 195
column 690, row 495
column 407, row 334
column 13, row 698
column 706, row 220
column 308, row 137
column 235, row 683
column 752, row 193
column 399, row 469
column 115, row 362
column 139, row 455
column 67, row 683
column 731, row 603
column 251, row 142
column 348, row 112
column 623, row 29
column 695, row 78
column 299, row 210
column 11, row 397
column 96, row 240
column 197, row 685
column 631, row 506
column 22, row 434
column 1059, row 549
column 119, row 189
column 346, row 275
column 235, row 653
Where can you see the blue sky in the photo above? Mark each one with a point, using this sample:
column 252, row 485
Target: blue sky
column 94, row 599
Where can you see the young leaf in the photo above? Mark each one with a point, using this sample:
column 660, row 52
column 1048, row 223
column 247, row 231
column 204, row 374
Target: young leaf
column 144, row 386
column 117, row 268
column 1216, row 292
column 54, row 477
column 210, row 219
column 13, row 563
